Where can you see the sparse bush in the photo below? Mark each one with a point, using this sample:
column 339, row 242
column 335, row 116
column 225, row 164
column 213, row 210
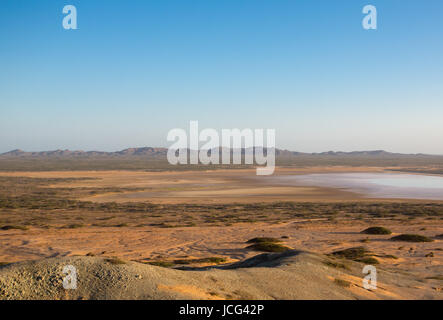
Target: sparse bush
column 163, row 264
column 359, row 254
column 352, row 253
column 337, row 265
column 215, row 260
column 121, row 225
column 115, row 261
column 367, row 260
column 14, row 227
column 390, row 256
column 342, row 283
column 268, row 247
column 264, row 239
column 74, row 226
column 429, row 255
column 376, row 230
column 411, row 238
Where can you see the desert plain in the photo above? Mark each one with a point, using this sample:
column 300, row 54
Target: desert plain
column 137, row 234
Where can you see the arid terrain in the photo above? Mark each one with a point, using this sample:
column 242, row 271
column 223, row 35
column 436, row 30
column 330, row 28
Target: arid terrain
column 138, row 223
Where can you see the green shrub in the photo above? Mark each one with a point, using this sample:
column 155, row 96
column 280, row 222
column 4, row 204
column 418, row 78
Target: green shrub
column 359, row 254
column 376, row 230
column 389, row 256
column 74, row 226
column 337, row 265
column 367, row 260
column 268, row 247
column 411, row 238
column 261, row 240
column 121, row 225
column 164, row 264
column 352, row 253
column 14, row 227
column 216, row 260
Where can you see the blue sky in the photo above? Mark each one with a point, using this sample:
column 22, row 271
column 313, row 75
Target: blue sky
column 136, row 69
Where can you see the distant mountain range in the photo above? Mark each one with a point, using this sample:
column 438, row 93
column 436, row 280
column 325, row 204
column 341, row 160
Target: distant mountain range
column 146, row 151
column 151, row 152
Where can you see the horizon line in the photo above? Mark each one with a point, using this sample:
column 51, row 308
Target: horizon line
column 276, row 148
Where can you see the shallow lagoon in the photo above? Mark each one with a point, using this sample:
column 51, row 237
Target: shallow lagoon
column 375, row 185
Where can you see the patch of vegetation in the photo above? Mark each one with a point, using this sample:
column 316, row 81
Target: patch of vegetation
column 106, row 218
column 429, row 255
column 389, row 256
column 115, row 261
column 37, row 202
column 12, row 227
column 342, row 283
column 367, row 260
column 359, row 254
column 262, row 240
column 440, row 236
column 337, row 265
column 268, row 247
column 411, row 238
column 214, row 260
column 352, row 253
column 164, row 264
column 435, row 278
column 74, row 226
column 2, row 263
column 376, row 230
column 120, row 225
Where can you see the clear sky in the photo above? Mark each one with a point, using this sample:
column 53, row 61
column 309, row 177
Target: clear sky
column 136, row 69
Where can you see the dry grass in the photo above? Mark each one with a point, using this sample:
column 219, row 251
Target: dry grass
column 342, row 283
column 359, row 254
column 115, row 261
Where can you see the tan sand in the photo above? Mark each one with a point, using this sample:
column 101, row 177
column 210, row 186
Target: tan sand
column 148, row 243
column 291, row 275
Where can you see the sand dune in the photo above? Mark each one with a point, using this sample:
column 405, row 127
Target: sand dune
column 290, row 275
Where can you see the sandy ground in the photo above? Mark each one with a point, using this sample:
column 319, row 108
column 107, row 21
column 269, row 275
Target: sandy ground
column 226, row 186
column 154, row 244
column 217, row 186
column 291, row 275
